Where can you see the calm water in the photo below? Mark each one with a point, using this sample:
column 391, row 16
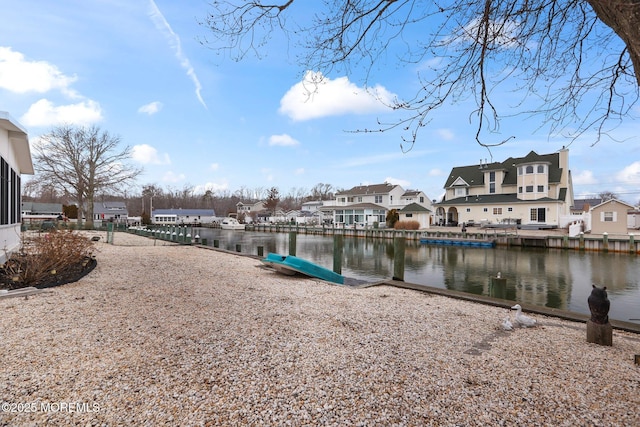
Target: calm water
column 544, row 277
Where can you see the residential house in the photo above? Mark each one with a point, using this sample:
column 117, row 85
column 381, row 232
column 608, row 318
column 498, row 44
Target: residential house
column 15, row 160
column 183, row 216
column 610, row 217
column 535, row 190
column 250, row 209
column 35, row 212
column 312, row 212
column 367, row 205
column 581, row 206
column 110, row 212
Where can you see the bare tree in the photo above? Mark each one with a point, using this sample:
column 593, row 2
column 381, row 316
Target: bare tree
column 547, row 51
column 83, row 161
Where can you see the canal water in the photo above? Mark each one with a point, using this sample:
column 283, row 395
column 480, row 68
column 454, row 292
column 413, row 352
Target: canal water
column 552, row 278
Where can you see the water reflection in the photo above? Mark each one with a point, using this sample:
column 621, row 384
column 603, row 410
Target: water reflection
column 548, row 278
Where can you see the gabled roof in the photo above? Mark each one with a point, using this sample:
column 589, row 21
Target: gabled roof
column 414, row 207
column 359, row 206
column 41, row 208
column 474, row 174
column 411, row 193
column 611, row 201
column 365, row 190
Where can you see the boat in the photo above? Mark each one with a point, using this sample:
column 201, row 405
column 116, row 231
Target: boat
column 459, row 242
column 229, row 223
column 290, row 265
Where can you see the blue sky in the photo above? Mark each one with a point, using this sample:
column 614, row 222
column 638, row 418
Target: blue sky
column 137, row 69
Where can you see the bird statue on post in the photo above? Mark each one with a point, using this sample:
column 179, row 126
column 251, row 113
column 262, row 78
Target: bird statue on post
column 599, row 305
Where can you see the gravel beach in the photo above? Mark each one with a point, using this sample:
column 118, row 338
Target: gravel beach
column 161, row 334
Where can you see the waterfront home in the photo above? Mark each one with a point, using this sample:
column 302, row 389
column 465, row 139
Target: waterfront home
column 183, row 216
column 36, row 212
column 110, row 212
column 416, row 212
column 15, row 160
column 248, row 209
column 534, row 191
column 609, row 217
column 366, row 205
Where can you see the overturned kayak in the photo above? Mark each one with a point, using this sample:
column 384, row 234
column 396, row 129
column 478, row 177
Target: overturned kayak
column 290, row 265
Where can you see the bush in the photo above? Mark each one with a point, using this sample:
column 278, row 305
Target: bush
column 45, row 255
column 407, row 225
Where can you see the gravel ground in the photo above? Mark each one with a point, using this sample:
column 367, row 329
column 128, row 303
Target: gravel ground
column 178, row 335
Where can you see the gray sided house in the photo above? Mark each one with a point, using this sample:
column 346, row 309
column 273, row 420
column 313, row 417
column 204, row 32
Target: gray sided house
column 183, row 216
column 534, row 190
column 110, row 212
column 15, row 160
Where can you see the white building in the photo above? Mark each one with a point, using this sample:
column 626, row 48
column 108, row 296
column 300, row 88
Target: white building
column 16, row 160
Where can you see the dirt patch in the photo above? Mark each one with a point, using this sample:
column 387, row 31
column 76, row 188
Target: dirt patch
column 68, row 274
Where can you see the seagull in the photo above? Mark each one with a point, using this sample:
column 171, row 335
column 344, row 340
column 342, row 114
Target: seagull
column 521, row 319
column 507, row 325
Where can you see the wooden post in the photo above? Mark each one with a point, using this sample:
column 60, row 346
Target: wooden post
column 599, row 334
column 292, row 243
column 632, row 243
column 605, row 242
column 337, row 253
column 498, row 287
column 581, row 241
column 398, row 258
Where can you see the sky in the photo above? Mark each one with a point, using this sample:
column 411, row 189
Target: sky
column 139, row 69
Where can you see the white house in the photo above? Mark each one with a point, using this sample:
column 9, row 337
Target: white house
column 15, row 160
column 183, row 216
column 369, row 204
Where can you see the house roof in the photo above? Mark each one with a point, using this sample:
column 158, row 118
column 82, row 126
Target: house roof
column 359, row 206
column 368, row 190
column 612, row 201
column 414, row 207
column 411, row 193
column 579, row 204
column 41, row 208
column 109, row 207
column 473, row 175
column 488, row 199
column 19, row 139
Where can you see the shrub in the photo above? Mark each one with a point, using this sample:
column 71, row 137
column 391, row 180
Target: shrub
column 47, row 254
column 407, row 225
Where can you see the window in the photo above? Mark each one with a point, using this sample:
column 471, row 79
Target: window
column 460, row 191
column 497, row 211
column 350, row 199
column 421, row 199
column 540, row 168
column 529, row 188
column 529, row 169
column 5, row 203
column 468, row 209
column 409, row 215
column 492, row 177
column 533, row 216
column 378, row 199
column 492, row 187
column 520, row 170
column 359, row 199
column 509, row 209
column 519, row 189
column 485, row 210
column 608, row 216
column 540, row 188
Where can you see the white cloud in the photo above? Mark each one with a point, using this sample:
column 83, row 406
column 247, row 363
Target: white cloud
column 44, row 113
column 396, row 181
column 213, row 186
column 173, row 177
column 151, row 108
column 283, row 140
column 584, row 178
column 214, row 166
column 147, row 154
column 446, row 134
column 318, row 96
column 22, row 76
column 174, row 41
column 630, row 174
